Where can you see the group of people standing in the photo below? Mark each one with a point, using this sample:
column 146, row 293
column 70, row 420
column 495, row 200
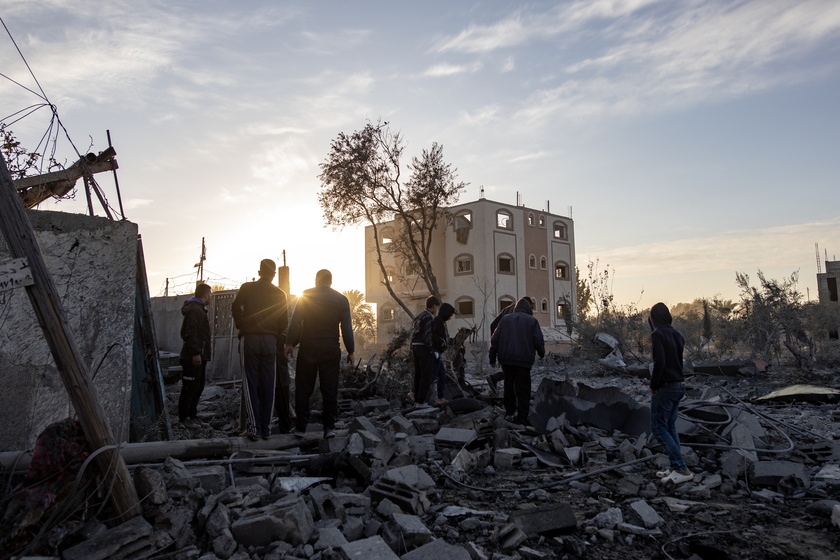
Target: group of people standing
column 267, row 339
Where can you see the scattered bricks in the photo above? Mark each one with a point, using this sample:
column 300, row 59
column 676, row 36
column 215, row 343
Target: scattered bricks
column 767, row 495
column 329, row 537
column 437, row 550
column 411, row 474
column 821, row 452
column 642, row 513
column 608, row 519
column 326, row 505
column 386, row 508
column 421, row 445
column 406, row 532
column 212, row 478
column 360, row 468
column 372, row 548
column 545, row 519
column 364, row 424
column 829, row 475
column 454, row 437
column 288, row 519
column 150, row 486
column 354, row 528
column 372, row 527
column 346, row 406
column 373, row 405
column 712, row 481
column 771, row 473
column 400, row 424
column 509, row 536
column 132, row 539
column 369, row 439
column 507, row 458
column 406, row 497
column 354, row 504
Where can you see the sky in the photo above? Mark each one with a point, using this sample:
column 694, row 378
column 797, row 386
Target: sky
column 689, row 140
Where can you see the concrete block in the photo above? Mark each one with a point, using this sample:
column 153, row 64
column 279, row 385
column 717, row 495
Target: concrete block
column 636, row 530
column 406, row 532
column 421, row 445
column 353, row 528
column 400, row 424
column 507, row 458
column 218, row 521
column 829, row 475
column 510, row 536
column 476, row 552
column 437, row 550
column 771, row 473
column 369, row 439
column 288, row 520
column 212, row 478
column 641, row 513
column 328, row 538
column 411, row 474
column 132, row 539
column 454, row 437
column 373, row 405
column 406, row 496
column 372, row 548
column 545, row 519
column 363, row 423
column 355, row 445
column 224, row 545
column 150, row 485
column 333, row 445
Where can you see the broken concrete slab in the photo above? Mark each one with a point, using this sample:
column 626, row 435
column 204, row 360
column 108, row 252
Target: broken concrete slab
column 454, row 437
column 545, row 519
column 372, row 548
column 437, row 550
column 405, row 532
column 412, row 475
column 132, row 539
column 641, row 513
column 802, row 393
column 771, row 473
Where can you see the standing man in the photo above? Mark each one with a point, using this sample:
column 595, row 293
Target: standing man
column 259, row 312
column 440, row 342
column 320, row 314
column 422, row 348
column 514, row 342
column 667, row 390
column 494, row 378
column 195, row 353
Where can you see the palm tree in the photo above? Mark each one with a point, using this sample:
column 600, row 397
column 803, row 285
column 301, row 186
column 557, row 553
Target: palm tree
column 364, row 321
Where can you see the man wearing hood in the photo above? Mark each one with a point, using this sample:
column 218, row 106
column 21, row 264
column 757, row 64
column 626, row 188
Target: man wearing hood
column 514, row 342
column 195, row 353
column 667, row 390
column 440, row 341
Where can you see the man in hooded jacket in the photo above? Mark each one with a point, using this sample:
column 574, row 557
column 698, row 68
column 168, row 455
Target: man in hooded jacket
column 440, row 342
column 195, row 353
column 515, row 340
column 667, row 390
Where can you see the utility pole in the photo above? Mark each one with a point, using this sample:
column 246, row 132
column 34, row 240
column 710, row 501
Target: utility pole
column 200, row 264
column 52, row 318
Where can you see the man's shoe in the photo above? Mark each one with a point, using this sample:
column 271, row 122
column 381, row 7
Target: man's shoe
column 329, row 434
column 677, row 478
column 492, row 384
column 422, row 406
column 250, row 435
column 297, row 432
column 663, row 473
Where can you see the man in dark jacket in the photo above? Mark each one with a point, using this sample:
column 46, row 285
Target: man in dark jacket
column 423, row 352
column 667, row 390
column 259, row 312
column 494, row 378
column 195, row 353
column 440, row 342
column 320, row 314
column 514, row 342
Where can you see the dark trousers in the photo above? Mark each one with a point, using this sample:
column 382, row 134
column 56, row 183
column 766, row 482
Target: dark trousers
column 281, row 393
column 260, row 352
column 517, row 394
column 497, row 376
column 440, row 376
column 317, row 363
column 424, row 371
column 192, row 385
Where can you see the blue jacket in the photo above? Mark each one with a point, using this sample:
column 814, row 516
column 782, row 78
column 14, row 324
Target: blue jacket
column 517, row 337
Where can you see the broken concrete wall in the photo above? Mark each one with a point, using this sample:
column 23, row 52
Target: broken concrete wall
column 93, row 264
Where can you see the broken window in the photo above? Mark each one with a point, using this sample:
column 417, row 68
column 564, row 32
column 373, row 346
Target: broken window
column 543, row 263
column 463, row 264
column 504, row 219
column 389, row 274
column 561, row 271
column 531, row 221
column 544, row 305
column 542, row 221
column 505, row 263
column 387, row 236
column 832, row 288
column 463, row 225
column 465, row 306
column 560, row 231
column 532, row 261
column 505, row 301
column 562, row 308
column 387, row 314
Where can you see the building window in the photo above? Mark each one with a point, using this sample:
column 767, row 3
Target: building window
column 463, row 225
column 531, row 221
column 544, row 305
column 465, row 306
column 505, row 264
column 532, row 261
column 832, row 288
column 387, row 314
column 505, row 301
column 561, row 271
column 560, row 231
column 386, row 236
column 463, row 264
column 563, row 309
column 504, row 219
column 542, row 221
column 389, row 274
column 543, row 263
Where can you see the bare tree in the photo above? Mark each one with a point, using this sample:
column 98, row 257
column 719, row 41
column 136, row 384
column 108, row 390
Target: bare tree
column 361, row 182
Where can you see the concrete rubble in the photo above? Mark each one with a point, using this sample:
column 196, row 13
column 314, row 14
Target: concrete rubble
column 460, row 482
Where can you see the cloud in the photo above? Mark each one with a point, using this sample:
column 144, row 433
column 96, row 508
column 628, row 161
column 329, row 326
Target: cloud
column 481, row 116
column 133, row 203
column 443, row 69
column 529, row 157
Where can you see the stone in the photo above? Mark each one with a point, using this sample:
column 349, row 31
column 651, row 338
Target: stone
column 353, row 528
column 507, row 458
column 411, row 474
column 212, row 478
column 608, row 519
column 454, row 437
column 224, row 545
column 372, row 548
column 132, row 539
column 641, row 512
column 406, row 532
column 437, row 550
column 356, row 444
column 545, row 519
column 829, row 475
column 510, row 536
column 771, row 473
column 421, row 445
column 150, row 485
column 329, row 537
column 288, row 519
column 373, row 405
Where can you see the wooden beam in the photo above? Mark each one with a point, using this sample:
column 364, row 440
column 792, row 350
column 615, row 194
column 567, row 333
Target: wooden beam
column 45, row 300
column 37, row 188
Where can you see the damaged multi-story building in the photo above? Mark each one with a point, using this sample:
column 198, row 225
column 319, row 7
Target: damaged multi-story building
column 485, row 255
column 827, row 289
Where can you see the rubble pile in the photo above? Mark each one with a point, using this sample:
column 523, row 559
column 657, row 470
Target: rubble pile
column 461, row 482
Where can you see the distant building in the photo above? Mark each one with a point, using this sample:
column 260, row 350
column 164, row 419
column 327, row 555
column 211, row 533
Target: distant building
column 827, row 289
column 485, row 255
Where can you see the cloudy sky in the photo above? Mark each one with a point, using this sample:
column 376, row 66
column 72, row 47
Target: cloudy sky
column 689, row 139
